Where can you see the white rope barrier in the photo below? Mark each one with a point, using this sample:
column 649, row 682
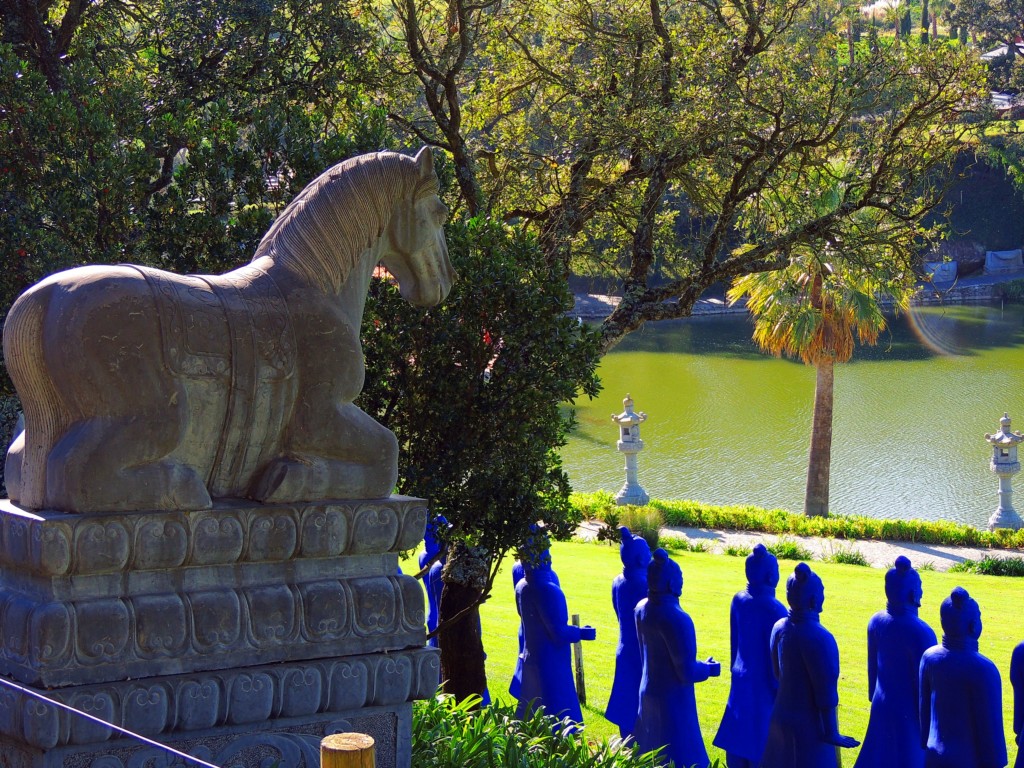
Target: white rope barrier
column 119, row 729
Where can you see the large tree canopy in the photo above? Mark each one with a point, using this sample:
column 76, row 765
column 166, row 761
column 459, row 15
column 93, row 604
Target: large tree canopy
column 167, row 133
column 640, row 138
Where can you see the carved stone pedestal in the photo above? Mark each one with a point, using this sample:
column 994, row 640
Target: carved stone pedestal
column 241, row 634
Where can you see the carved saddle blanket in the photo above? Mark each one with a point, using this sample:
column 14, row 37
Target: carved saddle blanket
column 232, row 336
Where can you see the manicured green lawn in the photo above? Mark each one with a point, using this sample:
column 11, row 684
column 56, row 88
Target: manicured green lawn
column 852, row 595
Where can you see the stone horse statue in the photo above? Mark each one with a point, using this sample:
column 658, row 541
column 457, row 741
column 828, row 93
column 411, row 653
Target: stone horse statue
column 145, row 390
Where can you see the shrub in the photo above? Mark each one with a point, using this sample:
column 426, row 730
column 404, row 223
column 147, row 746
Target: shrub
column 683, row 544
column 1013, row 290
column 991, row 566
column 596, row 506
column 787, row 549
column 643, row 521
column 503, row 324
column 609, row 532
column 847, row 556
column 737, row 550
column 1001, row 566
column 448, row 734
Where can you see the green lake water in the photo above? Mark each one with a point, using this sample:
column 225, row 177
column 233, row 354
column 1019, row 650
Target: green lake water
column 728, row 424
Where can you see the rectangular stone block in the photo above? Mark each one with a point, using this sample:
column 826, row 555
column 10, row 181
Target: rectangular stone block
column 234, row 717
column 54, row 544
column 94, row 598
column 288, row 743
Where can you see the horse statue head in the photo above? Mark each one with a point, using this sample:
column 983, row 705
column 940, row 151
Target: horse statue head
column 377, row 208
column 414, row 248
column 148, row 390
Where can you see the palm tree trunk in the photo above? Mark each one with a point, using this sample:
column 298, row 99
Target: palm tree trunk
column 819, row 460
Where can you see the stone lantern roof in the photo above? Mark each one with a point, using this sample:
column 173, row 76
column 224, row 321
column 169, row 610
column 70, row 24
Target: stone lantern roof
column 1004, row 437
column 629, row 417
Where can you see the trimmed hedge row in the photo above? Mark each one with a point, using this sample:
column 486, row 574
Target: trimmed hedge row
column 693, row 514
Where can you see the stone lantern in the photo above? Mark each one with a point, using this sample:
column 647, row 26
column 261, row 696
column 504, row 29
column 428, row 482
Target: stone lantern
column 630, row 444
column 1005, row 465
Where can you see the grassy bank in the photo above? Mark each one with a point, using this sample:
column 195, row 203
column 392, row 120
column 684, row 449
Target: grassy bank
column 693, row 514
column 853, row 594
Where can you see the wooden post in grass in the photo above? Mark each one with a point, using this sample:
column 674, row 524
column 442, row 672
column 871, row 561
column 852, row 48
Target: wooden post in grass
column 577, row 656
column 347, row 750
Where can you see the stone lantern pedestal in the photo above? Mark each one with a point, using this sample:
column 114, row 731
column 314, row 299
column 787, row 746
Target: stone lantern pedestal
column 630, row 444
column 1005, row 465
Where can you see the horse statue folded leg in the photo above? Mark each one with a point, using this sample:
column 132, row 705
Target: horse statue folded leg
column 146, row 390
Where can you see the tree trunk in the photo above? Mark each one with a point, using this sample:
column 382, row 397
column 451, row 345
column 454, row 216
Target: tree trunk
column 820, row 458
column 462, row 650
column 924, row 22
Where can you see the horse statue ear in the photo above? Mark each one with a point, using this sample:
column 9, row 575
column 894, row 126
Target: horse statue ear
column 425, row 160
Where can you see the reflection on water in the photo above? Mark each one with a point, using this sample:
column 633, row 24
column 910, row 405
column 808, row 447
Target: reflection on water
column 728, row 424
column 966, row 330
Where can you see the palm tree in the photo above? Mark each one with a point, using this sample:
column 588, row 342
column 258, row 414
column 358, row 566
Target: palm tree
column 815, row 307
column 942, row 9
column 894, row 15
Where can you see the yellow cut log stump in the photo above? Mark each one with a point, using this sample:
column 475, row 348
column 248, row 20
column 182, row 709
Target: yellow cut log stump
column 347, row 750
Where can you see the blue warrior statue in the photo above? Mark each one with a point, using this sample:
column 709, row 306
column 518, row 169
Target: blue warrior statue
column 434, row 554
column 628, row 589
column 961, row 698
column 546, row 675
column 754, row 612
column 1017, row 681
column 518, row 574
column 897, row 639
column 668, row 646
column 804, row 728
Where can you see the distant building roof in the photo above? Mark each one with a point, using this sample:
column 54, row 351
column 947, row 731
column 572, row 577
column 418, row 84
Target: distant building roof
column 998, row 53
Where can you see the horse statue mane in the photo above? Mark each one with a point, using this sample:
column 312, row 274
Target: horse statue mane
column 340, row 214
column 146, row 390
